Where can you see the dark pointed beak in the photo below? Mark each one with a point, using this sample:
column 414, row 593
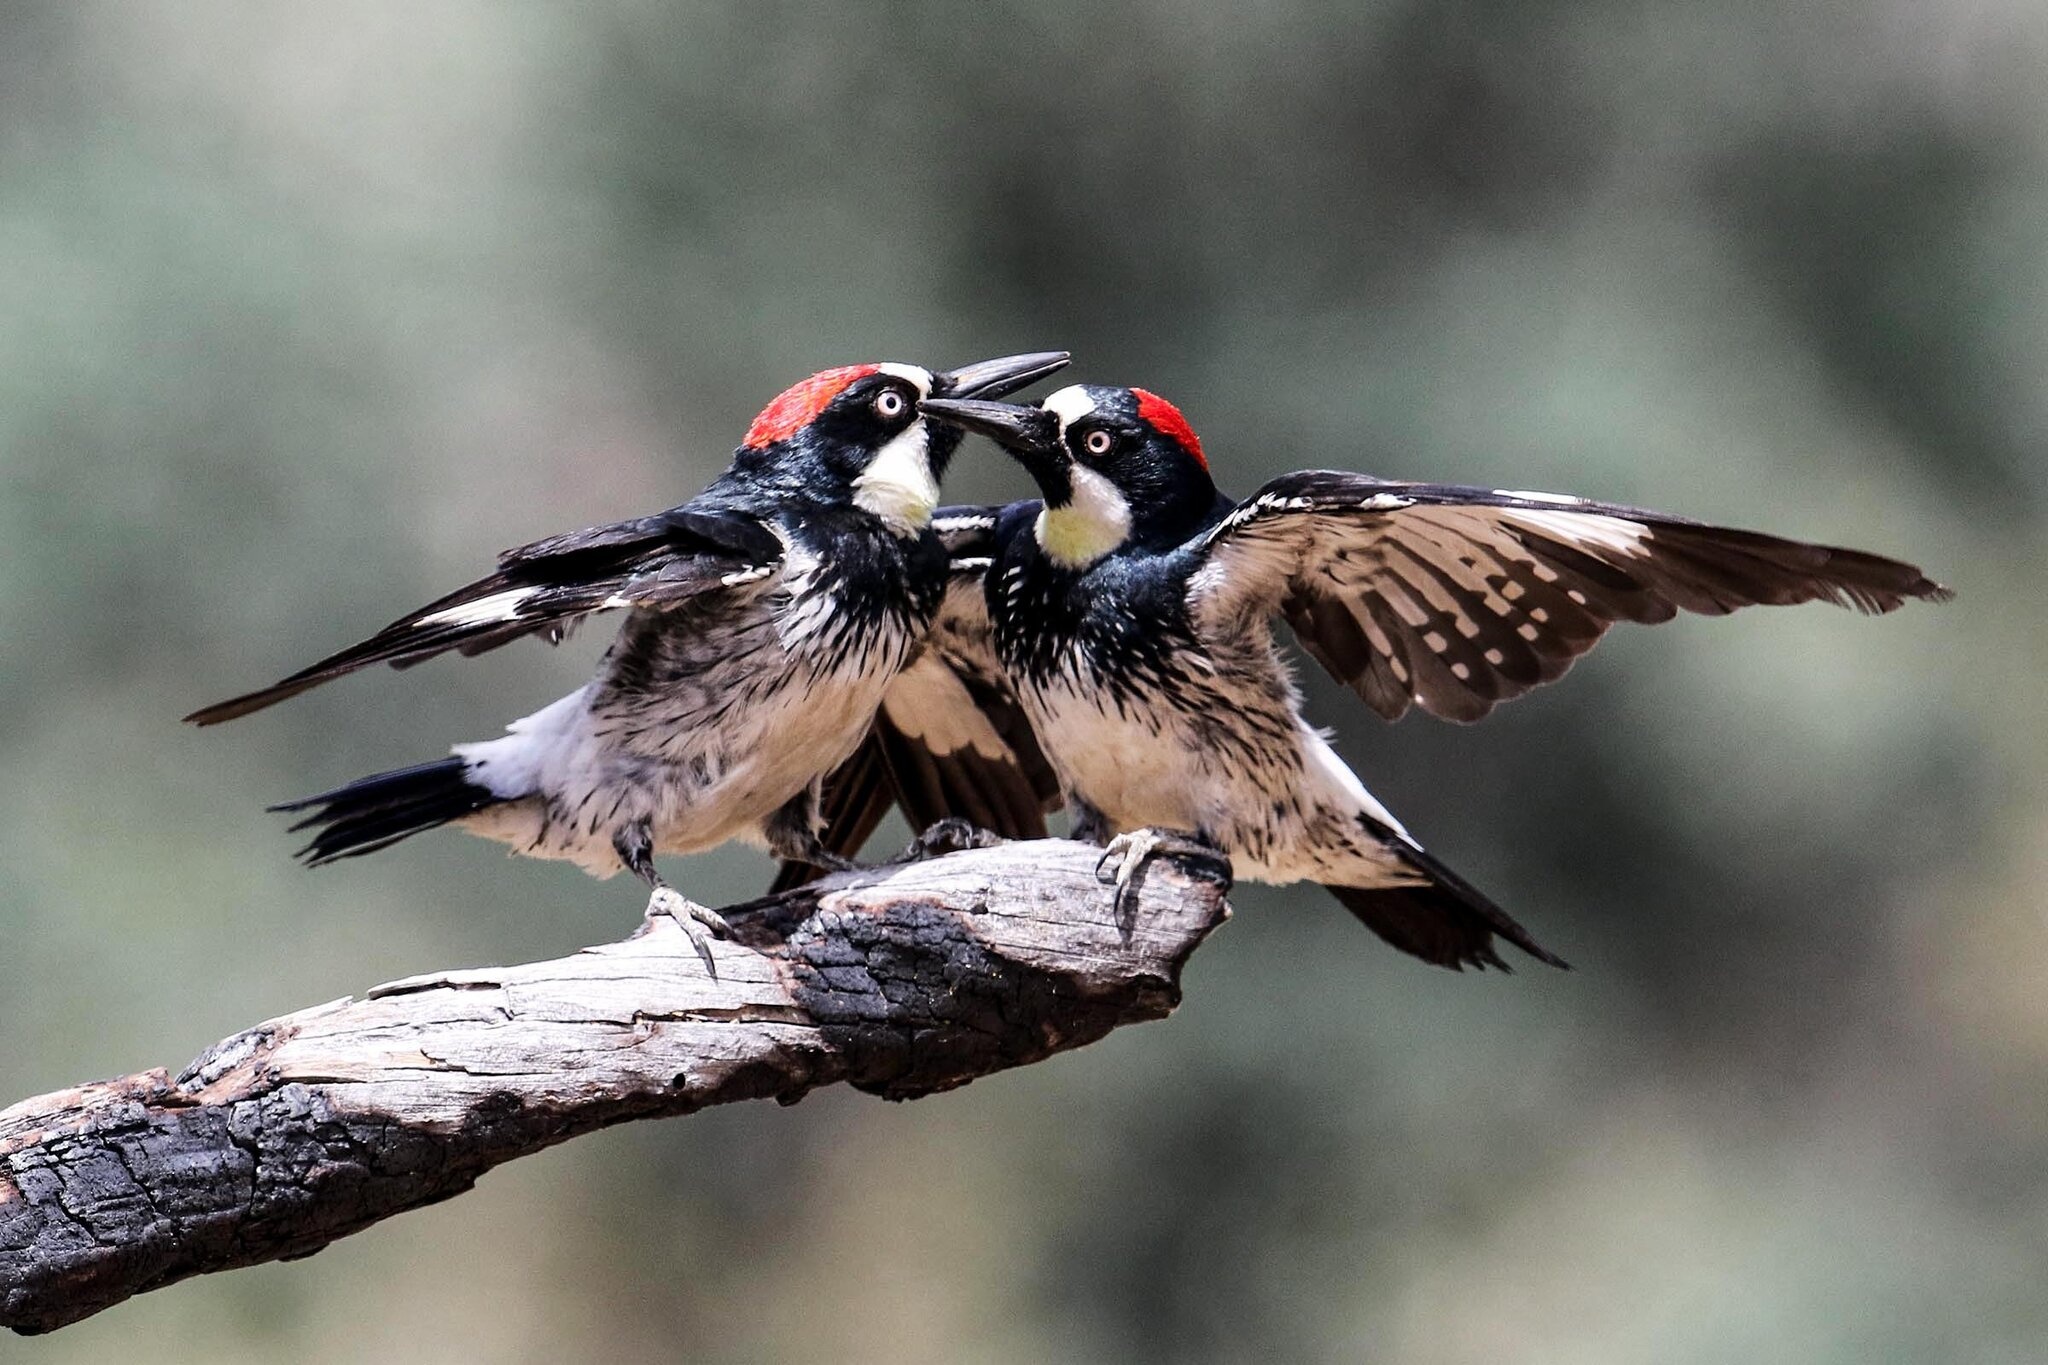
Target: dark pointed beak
column 1027, row 432
column 998, row 378
column 1030, row 434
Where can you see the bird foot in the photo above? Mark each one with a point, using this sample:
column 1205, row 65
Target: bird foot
column 1123, row 864
column 950, row 835
column 700, row 922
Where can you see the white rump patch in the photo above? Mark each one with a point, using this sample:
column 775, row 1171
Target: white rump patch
column 512, row 767
column 1332, row 773
column 499, row 606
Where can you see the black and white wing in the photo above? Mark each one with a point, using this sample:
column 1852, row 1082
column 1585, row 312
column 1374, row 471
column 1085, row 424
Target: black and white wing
column 950, row 738
column 1455, row 599
column 545, row 588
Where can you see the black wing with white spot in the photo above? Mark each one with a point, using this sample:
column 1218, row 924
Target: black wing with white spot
column 1456, row 599
column 545, row 588
column 950, row 738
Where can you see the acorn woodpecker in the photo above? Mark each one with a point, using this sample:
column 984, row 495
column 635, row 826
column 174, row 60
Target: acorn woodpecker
column 1131, row 612
column 764, row 619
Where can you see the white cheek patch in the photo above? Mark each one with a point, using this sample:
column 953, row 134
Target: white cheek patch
column 897, row 485
column 1094, row 523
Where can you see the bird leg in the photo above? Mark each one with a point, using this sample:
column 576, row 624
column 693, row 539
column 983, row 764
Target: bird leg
column 791, row 834
column 635, row 845
column 1123, row 863
column 1087, row 824
column 950, row 835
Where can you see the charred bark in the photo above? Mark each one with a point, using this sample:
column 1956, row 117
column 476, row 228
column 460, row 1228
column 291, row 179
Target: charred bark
column 901, row 982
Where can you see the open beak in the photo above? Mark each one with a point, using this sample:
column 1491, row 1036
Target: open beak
column 998, row 378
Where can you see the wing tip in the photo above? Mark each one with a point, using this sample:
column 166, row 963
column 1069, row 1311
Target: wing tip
column 1927, row 590
column 234, row 708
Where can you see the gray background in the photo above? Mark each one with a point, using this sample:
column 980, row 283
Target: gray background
column 306, row 310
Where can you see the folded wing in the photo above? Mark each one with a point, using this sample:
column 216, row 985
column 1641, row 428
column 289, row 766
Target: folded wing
column 545, row 588
column 1455, row 599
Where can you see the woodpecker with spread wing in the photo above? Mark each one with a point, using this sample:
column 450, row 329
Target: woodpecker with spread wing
column 764, row 619
column 1131, row 611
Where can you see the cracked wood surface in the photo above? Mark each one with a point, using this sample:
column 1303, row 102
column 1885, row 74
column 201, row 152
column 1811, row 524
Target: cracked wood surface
column 901, row 981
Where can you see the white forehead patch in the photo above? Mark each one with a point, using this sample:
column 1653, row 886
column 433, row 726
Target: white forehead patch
column 1070, row 405
column 914, row 375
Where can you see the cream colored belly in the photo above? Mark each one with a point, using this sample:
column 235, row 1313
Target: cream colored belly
column 787, row 745
column 1135, row 775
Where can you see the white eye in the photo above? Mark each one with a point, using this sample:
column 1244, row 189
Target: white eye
column 891, row 404
column 1098, row 442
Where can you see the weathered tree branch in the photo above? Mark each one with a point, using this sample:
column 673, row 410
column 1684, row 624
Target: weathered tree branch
column 275, row 1142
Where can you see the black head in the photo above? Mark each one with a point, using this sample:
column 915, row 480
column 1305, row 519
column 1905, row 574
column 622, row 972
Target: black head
column 855, row 433
column 1115, row 466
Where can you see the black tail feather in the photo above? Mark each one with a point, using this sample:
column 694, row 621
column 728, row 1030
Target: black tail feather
column 376, row 812
column 1445, row 921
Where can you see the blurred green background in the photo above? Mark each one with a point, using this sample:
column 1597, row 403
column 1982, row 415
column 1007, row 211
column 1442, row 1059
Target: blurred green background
column 307, row 310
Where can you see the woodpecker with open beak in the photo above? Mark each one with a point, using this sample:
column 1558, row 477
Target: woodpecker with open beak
column 765, row 617
column 1131, row 612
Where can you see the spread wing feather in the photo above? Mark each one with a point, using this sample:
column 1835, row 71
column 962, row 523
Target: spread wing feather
column 1456, row 599
column 547, row 587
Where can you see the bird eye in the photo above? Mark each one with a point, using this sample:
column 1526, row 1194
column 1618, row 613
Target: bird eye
column 891, row 404
column 1099, row 441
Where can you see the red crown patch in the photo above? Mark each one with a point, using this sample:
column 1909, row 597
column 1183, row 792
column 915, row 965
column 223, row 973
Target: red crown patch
column 1165, row 419
column 793, row 408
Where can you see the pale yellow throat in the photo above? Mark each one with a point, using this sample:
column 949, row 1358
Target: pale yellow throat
column 897, row 485
column 1096, row 521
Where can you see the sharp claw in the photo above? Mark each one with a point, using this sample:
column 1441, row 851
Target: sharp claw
column 1102, row 873
column 1132, row 852
column 1124, row 909
column 699, row 923
column 700, row 939
column 949, row 835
